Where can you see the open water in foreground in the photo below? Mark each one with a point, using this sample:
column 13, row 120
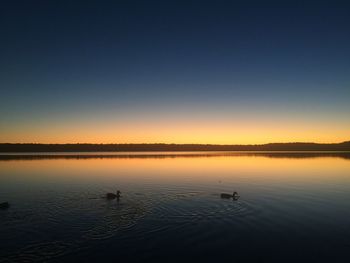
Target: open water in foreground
column 293, row 207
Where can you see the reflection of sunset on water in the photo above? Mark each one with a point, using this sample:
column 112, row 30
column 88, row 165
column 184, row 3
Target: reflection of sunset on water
column 203, row 169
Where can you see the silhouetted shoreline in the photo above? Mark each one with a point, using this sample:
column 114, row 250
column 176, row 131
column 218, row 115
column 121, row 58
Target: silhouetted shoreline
column 160, row 147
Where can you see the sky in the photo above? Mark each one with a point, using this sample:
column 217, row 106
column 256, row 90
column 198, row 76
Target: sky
column 218, row 72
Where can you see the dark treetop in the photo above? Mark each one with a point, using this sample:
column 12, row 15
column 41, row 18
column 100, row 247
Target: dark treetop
column 297, row 146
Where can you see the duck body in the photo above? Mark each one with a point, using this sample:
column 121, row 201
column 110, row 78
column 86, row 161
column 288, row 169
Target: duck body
column 226, row 196
column 4, row 205
column 234, row 196
column 111, row 196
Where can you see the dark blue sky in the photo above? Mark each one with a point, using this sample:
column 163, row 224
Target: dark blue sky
column 169, row 62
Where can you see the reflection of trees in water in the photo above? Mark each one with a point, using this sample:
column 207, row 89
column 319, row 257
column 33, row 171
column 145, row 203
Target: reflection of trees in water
column 301, row 155
column 276, row 154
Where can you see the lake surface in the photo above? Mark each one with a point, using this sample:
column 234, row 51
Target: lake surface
column 293, row 207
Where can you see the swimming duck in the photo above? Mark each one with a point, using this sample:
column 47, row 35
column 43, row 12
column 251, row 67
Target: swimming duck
column 234, row 196
column 111, row 196
column 4, row 205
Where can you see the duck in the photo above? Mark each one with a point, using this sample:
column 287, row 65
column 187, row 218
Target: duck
column 234, row 196
column 4, row 205
column 111, row 196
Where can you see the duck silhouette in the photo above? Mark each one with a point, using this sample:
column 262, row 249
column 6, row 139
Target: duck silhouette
column 234, row 196
column 111, row 196
column 4, row 205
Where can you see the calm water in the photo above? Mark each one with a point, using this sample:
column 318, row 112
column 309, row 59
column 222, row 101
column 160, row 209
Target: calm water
column 294, row 207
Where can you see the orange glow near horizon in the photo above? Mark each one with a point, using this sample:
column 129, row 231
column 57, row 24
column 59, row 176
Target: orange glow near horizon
column 177, row 132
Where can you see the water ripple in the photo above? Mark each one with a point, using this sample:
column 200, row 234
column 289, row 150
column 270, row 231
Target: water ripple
column 41, row 252
column 116, row 217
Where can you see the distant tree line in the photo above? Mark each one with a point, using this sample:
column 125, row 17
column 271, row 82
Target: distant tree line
column 160, row 147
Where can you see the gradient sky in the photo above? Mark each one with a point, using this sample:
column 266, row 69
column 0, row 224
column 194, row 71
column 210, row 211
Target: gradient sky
column 174, row 71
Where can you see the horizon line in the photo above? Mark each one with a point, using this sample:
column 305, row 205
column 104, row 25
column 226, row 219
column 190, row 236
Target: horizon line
column 162, row 143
